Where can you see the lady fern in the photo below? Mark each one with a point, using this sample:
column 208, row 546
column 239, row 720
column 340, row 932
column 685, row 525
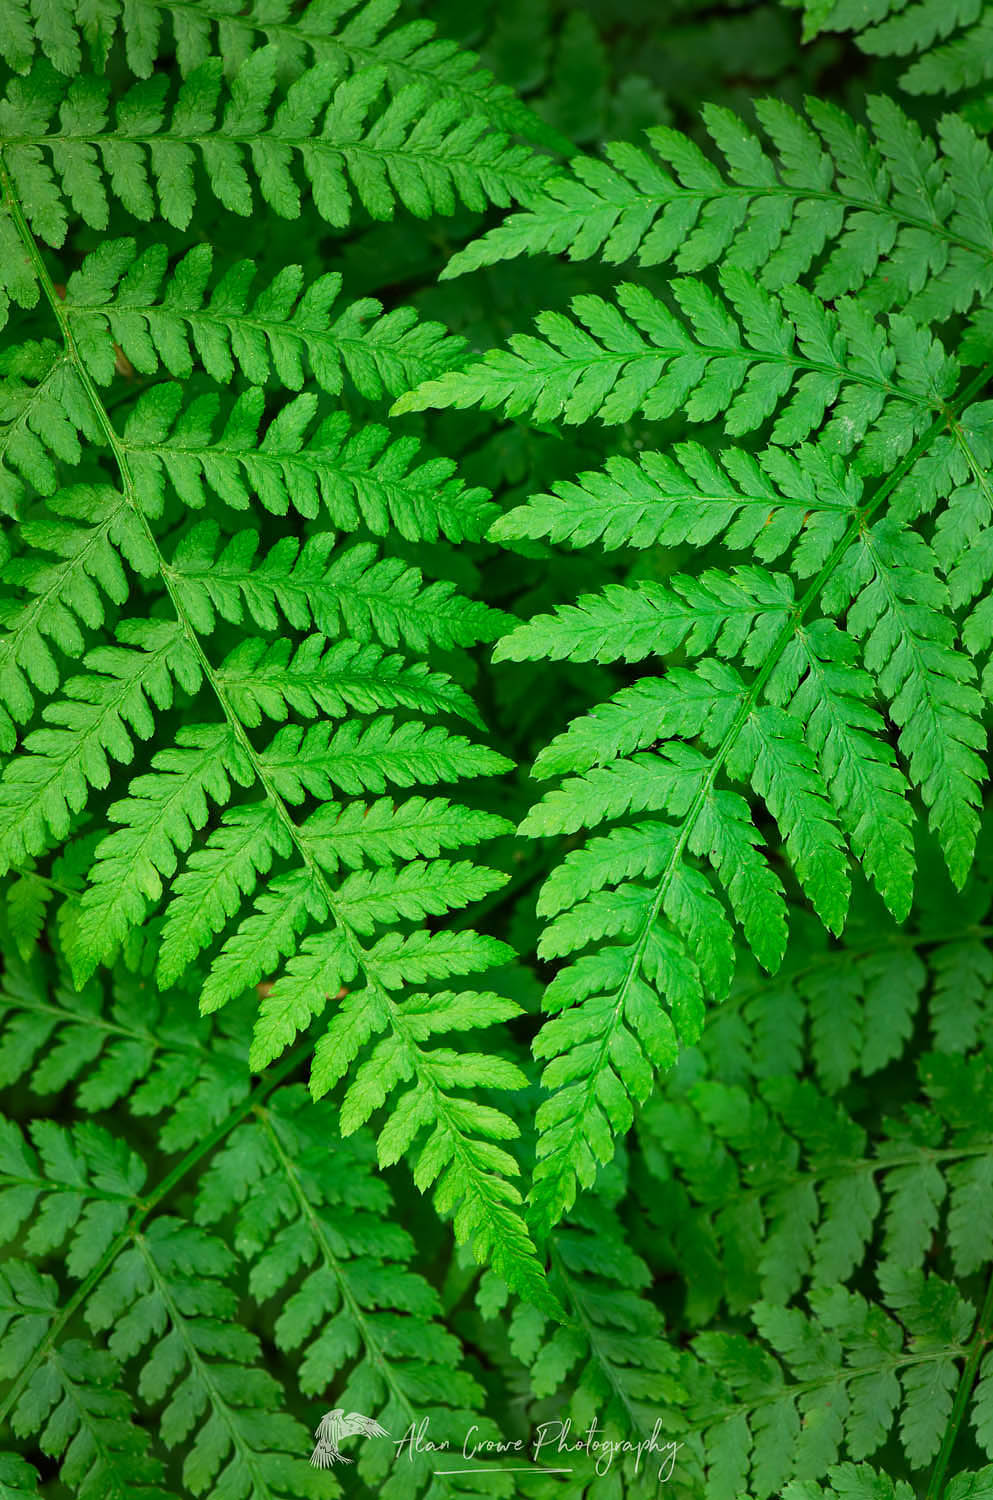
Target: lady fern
column 721, row 1011
column 123, row 529
column 863, row 429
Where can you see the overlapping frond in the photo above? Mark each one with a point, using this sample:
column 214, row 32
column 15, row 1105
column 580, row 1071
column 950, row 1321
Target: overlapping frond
column 159, row 1292
column 632, row 907
column 789, row 1169
column 863, row 1482
column 119, row 1043
column 807, row 700
column 82, row 1189
column 242, row 847
column 832, row 1249
column 851, row 1008
column 359, row 1313
column 835, row 1379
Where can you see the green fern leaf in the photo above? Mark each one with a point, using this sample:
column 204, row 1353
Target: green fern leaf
column 368, row 595
column 360, row 478
column 160, row 317
column 424, row 155
column 411, row 52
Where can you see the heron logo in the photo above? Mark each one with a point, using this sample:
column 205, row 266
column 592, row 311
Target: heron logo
column 333, row 1428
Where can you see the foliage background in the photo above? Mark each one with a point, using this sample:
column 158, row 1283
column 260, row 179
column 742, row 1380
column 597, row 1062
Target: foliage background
column 227, row 1267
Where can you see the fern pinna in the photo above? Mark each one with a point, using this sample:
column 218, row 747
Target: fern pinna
column 294, row 684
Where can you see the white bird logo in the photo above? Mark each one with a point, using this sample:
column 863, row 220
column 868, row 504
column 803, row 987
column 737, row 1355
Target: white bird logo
column 336, row 1425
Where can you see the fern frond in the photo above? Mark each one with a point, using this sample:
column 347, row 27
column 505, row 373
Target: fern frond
column 871, row 1362
column 174, row 1276
column 863, row 1482
column 90, row 1425
column 299, row 1209
column 773, row 1194
column 676, row 935
column 769, row 502
column 710, row 1187
column 811, row 1195
column 163, row 1289
column 852, row 1008
column 130, row 1048
column 787, row 703
column 786, row 698
column 87, row 1423
column 162, row 813
column 77, row 1192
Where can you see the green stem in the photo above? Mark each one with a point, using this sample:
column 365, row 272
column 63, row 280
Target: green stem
column 976, row 1348
column 56, row 886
